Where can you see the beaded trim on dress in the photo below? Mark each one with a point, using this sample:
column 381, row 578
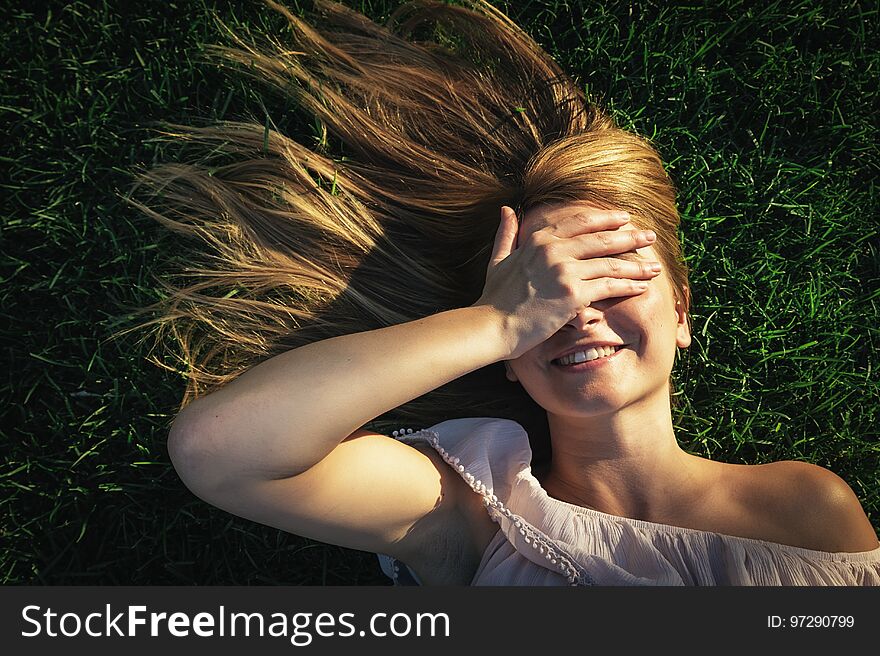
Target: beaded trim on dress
column 556, row 557
column 613, row 550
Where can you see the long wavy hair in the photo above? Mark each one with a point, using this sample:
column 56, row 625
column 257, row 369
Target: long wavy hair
column 429, row 124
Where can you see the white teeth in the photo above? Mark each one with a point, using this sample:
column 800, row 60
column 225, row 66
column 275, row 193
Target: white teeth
column 585, row 356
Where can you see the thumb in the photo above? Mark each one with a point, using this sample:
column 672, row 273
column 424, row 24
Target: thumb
column 505, row 237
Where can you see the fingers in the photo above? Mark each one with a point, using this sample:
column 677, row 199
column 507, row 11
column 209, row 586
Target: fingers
column 598, row 244
column 610, row 268
column 587, row 221
column 505, row 236
column 602, row 288
column 612, row 277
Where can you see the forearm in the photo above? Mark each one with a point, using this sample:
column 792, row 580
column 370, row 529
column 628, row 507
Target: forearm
column 284, row 415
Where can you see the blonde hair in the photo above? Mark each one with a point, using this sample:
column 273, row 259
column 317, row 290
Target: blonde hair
column 439, row 118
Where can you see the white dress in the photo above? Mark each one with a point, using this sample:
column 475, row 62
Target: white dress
column 544, row 541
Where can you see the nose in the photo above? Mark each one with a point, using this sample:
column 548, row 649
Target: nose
column 589, row 316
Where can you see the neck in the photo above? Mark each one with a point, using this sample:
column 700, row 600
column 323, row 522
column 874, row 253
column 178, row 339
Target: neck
column 626, row 462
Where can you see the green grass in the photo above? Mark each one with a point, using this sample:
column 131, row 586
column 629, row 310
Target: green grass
column 766, row 117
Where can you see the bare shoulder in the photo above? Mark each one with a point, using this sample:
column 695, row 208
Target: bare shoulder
column 809, row 506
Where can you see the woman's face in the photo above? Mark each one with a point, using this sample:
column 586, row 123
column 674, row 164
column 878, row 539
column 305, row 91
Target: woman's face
column 650, row 326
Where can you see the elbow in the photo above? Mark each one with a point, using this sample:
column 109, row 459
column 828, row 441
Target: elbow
column 189, row 449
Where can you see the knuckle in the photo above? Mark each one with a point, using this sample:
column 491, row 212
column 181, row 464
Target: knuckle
column 559, row 270
column 537, row 238
column 614, row 266
column 531, row 242
column 567, row 288
column 546, row 255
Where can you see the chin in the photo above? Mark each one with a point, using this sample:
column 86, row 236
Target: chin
column 586, row 404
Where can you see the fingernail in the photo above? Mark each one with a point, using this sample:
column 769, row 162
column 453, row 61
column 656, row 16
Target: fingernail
column 655, row 267
column 650, row 235
column 621, row 215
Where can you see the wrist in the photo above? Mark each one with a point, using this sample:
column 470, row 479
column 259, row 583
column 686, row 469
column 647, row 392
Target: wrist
column 495, row 327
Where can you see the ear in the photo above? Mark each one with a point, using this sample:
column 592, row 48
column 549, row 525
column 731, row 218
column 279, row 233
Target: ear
column 509, row 372
column 683, row 332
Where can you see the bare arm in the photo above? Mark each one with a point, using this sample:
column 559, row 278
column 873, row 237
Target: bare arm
column 286, row 414
column 282, row 445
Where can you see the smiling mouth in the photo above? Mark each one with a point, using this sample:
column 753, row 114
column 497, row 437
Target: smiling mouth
column 587, row 355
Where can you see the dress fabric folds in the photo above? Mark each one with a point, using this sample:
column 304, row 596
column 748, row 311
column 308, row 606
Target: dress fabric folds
column 542, row 541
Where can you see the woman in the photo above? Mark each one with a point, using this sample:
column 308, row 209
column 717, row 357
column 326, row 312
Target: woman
column 361, row 289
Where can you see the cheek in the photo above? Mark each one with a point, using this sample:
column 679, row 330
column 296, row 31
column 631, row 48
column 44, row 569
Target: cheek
column 659, row 302
column 519, row 368
column 655, row 314
column 660, row 329
column 529, row 372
